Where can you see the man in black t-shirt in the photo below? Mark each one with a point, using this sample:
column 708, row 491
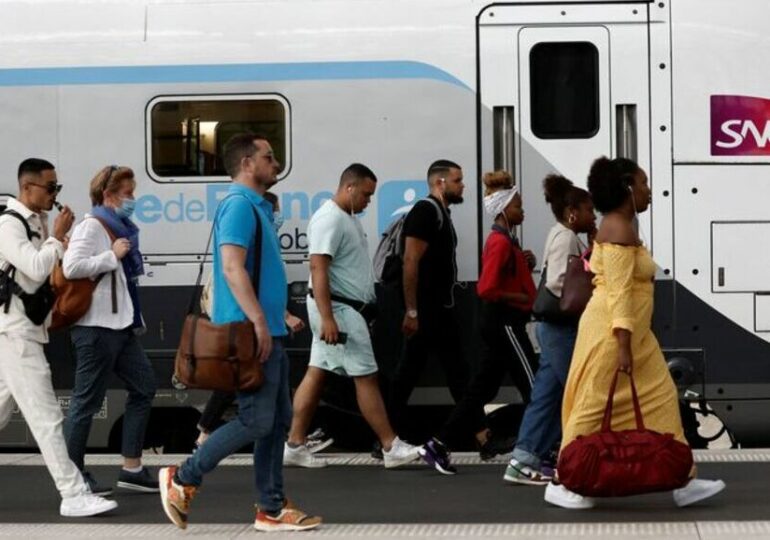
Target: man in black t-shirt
column 429, row 277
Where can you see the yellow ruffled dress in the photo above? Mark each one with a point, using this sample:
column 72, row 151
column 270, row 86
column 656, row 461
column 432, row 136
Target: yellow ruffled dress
column 622, row 298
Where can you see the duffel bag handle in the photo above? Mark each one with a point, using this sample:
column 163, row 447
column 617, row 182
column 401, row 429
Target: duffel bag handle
column 607, row 421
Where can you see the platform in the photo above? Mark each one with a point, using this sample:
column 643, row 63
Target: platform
column 358, row 498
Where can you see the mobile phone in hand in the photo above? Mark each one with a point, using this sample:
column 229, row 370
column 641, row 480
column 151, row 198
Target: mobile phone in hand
column 342, row 338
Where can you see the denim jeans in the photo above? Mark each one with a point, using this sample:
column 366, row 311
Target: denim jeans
column 99, row 353
column 540, row 429
column 264, row 417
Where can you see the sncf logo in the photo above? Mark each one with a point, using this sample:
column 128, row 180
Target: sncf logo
column 740, row 126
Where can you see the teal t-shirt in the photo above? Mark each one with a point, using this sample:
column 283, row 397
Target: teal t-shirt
column 236, row 225
column 335, row 233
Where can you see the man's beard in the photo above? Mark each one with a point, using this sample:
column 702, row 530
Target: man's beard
column 453, row 199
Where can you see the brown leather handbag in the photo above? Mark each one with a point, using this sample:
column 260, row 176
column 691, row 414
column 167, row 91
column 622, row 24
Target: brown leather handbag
column 74, row 296
column 578, row 285
column 219, row 356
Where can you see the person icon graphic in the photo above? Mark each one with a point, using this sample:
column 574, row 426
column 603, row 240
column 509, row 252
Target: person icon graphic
column 409, row 197
column 396, row 198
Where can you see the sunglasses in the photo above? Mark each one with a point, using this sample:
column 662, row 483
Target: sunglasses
column 49, row 188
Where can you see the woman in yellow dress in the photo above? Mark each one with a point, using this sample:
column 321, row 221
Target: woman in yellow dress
column 614, row 332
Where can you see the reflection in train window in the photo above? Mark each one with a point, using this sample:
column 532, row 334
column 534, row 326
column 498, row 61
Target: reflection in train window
column 564, row 78
column 188, row 134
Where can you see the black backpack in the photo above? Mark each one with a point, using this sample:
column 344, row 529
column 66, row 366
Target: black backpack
column 37, row 305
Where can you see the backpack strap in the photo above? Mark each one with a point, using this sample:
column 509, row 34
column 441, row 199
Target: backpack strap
column 14, row 287
column 438, row 210
column 30, row 233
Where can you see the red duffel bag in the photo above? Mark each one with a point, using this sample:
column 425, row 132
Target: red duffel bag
column 619, row 463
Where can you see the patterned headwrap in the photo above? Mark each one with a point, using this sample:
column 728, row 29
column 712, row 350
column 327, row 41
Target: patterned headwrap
column 496, row 202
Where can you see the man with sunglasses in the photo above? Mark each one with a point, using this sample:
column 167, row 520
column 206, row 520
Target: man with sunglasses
column 27, row 247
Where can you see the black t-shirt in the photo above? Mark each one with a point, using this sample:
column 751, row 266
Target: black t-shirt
column 438, row 267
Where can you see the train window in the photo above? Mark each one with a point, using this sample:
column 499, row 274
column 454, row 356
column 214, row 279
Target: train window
column 187, row 134
column 564, row 79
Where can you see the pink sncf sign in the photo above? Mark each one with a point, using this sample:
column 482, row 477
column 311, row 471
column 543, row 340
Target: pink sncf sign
column 740, row 126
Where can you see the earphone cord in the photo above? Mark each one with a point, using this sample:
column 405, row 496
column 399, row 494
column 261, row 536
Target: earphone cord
column 639, row 231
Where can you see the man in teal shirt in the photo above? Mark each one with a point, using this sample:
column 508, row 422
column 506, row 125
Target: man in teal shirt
column 264, row 414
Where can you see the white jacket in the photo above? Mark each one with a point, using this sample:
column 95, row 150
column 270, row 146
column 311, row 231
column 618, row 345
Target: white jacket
column 560, row 244
column 90, row 254
column 34, row 261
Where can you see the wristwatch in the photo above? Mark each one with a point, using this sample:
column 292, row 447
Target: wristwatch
column 411, row 313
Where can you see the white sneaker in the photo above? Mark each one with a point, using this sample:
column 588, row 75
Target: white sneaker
column 400, row 453
column 697, row 490
column 301, row 457
column 318, row 444
column 558, row 495
column 84, row 505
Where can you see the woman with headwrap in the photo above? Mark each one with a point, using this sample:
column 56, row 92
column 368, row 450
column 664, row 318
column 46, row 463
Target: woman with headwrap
column 507, row 292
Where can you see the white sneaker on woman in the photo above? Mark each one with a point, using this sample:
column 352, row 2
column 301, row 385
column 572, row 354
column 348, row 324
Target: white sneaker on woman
column 558, row 495
column 400, row 453
column 85, row 505
column 697, row 490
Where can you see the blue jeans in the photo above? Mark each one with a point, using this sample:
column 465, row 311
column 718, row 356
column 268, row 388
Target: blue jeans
column 264, row 417
column 99, row 353
column 540, row 429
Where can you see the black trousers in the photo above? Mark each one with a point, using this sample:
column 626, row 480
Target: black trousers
column 506, row 349
column 438, row 335
column 215, row 407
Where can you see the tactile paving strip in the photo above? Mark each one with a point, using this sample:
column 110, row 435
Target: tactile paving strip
column 751, row 455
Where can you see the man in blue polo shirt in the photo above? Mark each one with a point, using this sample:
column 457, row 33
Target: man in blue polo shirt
column 264, row 415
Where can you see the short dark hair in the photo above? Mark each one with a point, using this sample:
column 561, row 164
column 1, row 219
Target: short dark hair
column 355, row 173
column 561, row 194
column 238, row 147
column 272, row 198
column 441, row 166
column 609, row 180
column 34, row 166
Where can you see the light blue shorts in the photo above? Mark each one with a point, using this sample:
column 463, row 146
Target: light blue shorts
column 353, row 359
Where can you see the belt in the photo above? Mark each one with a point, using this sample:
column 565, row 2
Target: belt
column 368, row 311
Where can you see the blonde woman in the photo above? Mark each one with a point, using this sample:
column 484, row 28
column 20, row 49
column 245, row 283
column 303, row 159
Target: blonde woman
column 105, row 338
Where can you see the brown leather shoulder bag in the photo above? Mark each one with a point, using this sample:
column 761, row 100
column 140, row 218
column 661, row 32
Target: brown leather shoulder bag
column 220, row 356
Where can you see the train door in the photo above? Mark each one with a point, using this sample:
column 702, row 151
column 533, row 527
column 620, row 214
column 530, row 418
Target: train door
column 560, row 85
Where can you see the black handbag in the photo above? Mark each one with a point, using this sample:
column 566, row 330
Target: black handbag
column 39, row 304
column 546, row 307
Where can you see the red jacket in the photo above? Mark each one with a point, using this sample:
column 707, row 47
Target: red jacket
column 505, row 270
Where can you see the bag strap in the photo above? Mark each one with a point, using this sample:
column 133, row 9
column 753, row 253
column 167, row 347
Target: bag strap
column 14, row 287
column 439, row 210
column 113, row 285
column 194, row 306
column 30, row 233
column 607, row 421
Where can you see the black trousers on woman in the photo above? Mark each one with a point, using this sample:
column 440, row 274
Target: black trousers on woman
column 506, row 349
column 215, row 408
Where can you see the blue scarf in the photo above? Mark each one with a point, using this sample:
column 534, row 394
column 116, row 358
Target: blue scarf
column 133, row 266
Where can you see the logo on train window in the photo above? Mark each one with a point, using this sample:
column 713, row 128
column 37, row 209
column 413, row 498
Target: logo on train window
column 396, row 198
column 740, row 126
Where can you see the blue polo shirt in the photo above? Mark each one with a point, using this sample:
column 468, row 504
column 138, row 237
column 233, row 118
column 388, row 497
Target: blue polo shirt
column 236, row 225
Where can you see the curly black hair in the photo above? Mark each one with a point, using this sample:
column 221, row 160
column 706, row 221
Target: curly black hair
column 609, row 182
column 560, row 194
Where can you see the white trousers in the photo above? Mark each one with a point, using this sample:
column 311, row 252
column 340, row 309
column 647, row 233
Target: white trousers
column 26, row 377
